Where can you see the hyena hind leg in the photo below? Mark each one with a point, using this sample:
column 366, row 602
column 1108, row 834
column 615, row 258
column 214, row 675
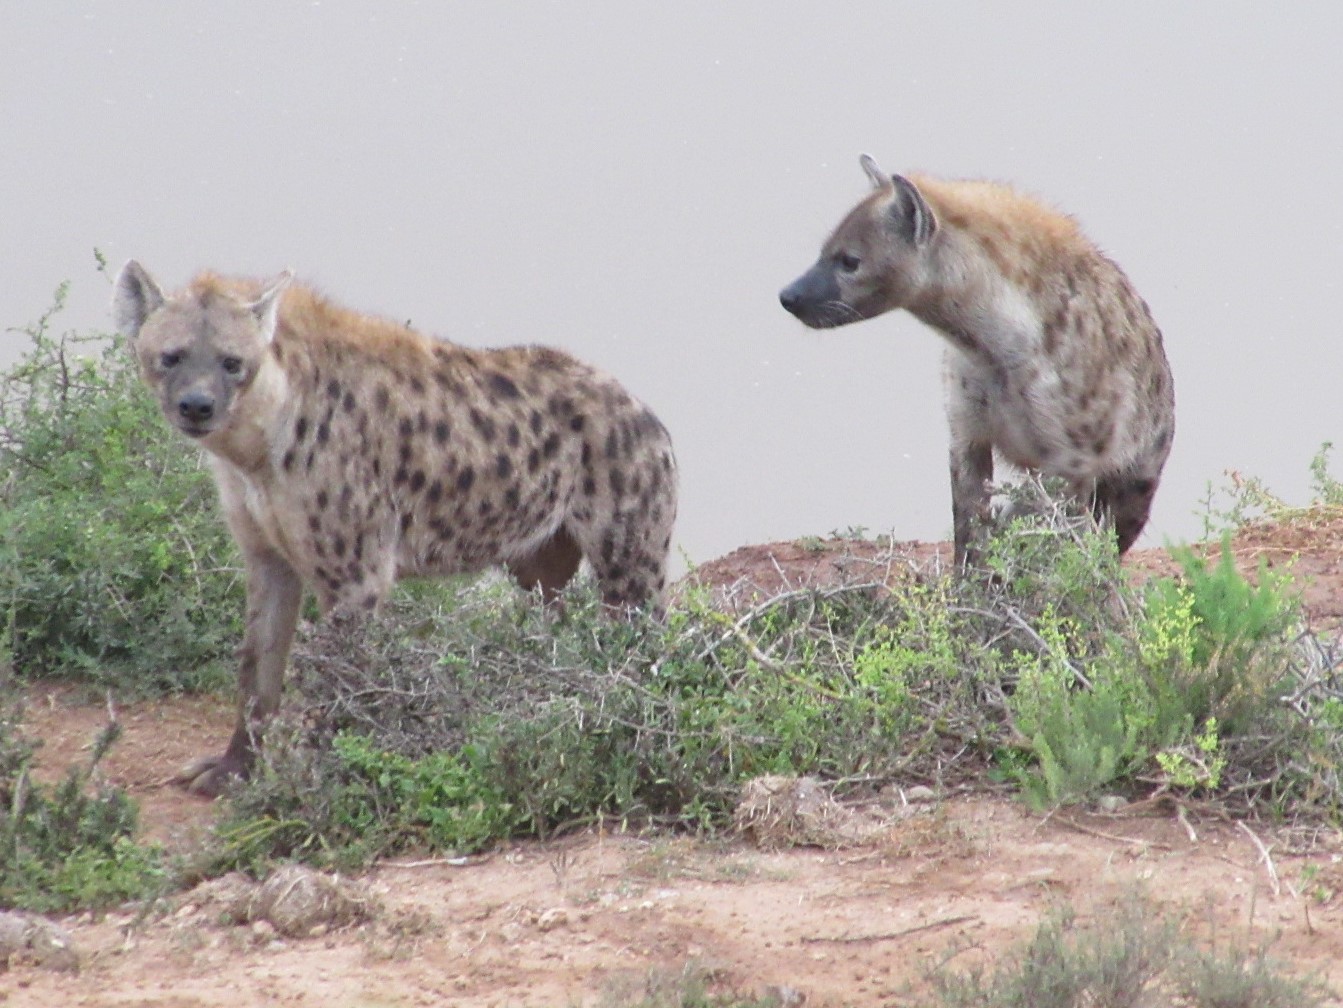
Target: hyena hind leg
column 1126, row 502
column 550, row 567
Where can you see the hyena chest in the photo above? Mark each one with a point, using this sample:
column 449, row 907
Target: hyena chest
column 1036, row 417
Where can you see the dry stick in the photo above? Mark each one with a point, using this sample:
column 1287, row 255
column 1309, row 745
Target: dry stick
column 887, row 936
column 1184, row 821
column 1263, row 852
column 452, row 862
column 1137, row 841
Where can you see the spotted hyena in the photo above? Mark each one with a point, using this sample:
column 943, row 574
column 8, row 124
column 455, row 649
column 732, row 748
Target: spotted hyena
column 350, row 451
column 1053, row 360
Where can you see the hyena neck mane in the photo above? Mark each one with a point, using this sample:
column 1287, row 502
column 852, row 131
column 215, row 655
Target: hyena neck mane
column 998, row 267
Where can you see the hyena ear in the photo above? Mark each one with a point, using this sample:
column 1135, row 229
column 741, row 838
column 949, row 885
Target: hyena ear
column 135, row 297
column 911, row 213
column 880, row 180
column 266, row 308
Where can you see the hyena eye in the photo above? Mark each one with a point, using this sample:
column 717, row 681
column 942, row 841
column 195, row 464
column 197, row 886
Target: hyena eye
column 169, row 360
column 847, row 262
column 231, row 365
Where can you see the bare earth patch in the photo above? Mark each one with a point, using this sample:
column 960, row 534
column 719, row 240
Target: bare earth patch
column 567, row 923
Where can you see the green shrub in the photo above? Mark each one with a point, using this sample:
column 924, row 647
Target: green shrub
column 70, row 846
column 114, row 567
column 1131, row 956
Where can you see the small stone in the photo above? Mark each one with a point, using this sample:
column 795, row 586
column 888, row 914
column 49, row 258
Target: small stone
column 553, row 918
column 785, row 996
column 52, row 947
column 918, row 794
column 1110, row 803
column 263, row 929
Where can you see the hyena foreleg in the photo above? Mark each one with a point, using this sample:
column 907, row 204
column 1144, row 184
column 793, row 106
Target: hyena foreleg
column 971, row 474
column 274, row 592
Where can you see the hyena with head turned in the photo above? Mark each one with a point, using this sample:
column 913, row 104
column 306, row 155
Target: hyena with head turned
column 1053, row 360
column 349, row 451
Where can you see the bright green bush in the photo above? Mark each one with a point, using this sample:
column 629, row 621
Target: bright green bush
column 114, row 567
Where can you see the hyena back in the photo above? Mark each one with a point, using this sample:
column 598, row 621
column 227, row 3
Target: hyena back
column 350, row 451
column 1053, row 360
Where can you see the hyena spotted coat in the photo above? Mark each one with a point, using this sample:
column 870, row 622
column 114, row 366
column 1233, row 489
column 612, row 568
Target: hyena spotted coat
column 1053, row 360
column 350, row 451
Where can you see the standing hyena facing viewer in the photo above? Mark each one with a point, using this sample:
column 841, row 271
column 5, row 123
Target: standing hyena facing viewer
column 1053, row 358
column 350, row 451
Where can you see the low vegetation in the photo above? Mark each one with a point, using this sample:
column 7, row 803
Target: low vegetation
column 468, row 712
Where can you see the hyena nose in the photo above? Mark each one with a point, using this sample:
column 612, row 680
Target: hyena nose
column 789, row 298
column 196, row 407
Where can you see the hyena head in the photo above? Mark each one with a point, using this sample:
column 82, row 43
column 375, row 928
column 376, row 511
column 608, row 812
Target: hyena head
column 200, row 350
column 875, row 261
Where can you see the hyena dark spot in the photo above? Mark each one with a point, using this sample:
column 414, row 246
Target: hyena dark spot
column 318, row 548
column 503, row 385
column 617, row 483
column 587, row 455
column 535, row 420
column 382, row 398
column 377, row 468
column 314, row 523
column 417, row 481
column 300, row 430
column 401, row 475
column 346, row 494
column 551, row 446
column 278, row 351
column 533, row 460
column 422, row 422
column 407, row 520
column 441, row 431
column 404, row 452
column 333, row 389
column 355, row 572
column 486, row 506
column 406, row 427
column 503, row 466
column 322, row 499
column 358, row 551
column 514, row 435
column 483, row 424
column 465, row 478
column 444, row 379
column 612, row 444
column 288, row 461
column 435, row 491
column 323, row 432
column 347, row 403
column 416, row 385
column 512, row 497
column 576, row 423
column 338, row 546
column 370, row 601
column 589, row 486
column 608, row 550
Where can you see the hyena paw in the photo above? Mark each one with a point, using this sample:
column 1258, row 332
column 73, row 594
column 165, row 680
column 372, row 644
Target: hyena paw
column 210, row 776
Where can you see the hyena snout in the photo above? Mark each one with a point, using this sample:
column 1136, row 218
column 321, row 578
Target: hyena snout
column 814, row 298
column 196, row 407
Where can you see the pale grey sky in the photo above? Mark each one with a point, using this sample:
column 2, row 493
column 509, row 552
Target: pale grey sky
column 635, row 182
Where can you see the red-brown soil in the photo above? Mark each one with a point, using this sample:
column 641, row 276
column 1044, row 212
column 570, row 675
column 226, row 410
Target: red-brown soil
column 580, row 921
